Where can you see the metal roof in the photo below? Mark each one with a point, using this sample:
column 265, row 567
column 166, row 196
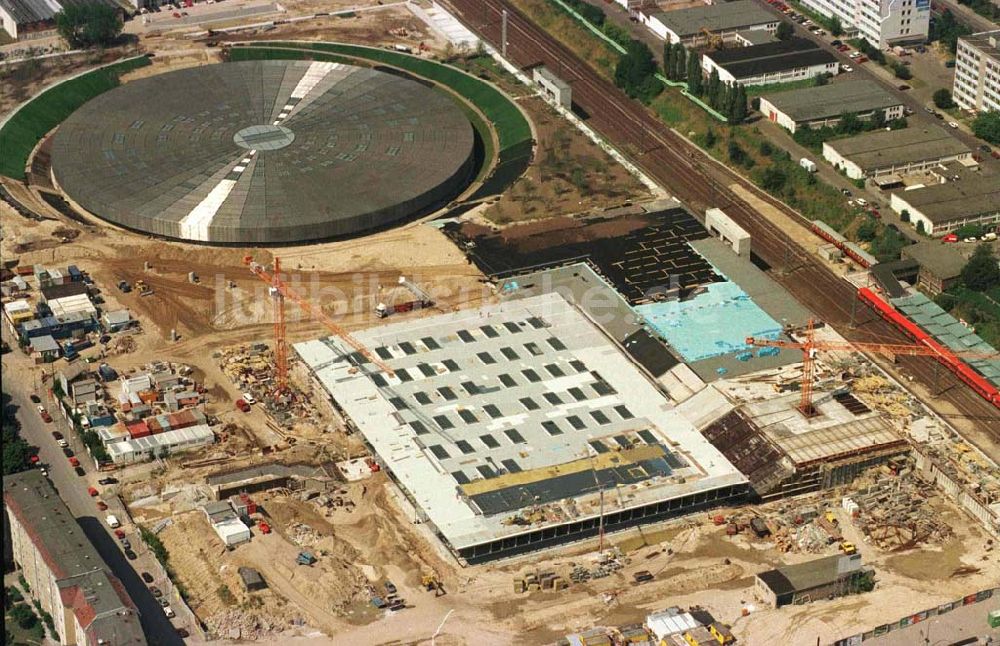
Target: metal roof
column 833, row 100
column 985, row 41
column 264, row 151
column 29, row 11
column 959, row 200
column 881, row 149
column 936, row 258
column 718, row 17
column 459, row 412
column 801, row 577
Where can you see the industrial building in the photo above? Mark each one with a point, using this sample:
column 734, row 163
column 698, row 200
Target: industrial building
column 701, row 25
column 816, row 107
column 555, row 88
column 942, row 208
column 226, row 523
column 821, row 578
column 65, row 574
column 127, row 451
column 783, row 61
column 895, row 151
column 305, row 153
column 505, row 425
column 977, row 72
column 883, row 23
column 940, row 265
column 30, row 19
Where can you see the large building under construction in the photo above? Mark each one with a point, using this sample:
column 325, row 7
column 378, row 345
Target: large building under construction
column 522, row 426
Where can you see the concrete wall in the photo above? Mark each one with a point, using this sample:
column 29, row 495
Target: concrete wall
column 722, row 226
column 971, row 504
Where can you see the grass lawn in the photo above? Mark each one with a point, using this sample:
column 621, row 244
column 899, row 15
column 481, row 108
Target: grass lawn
column 22, row 133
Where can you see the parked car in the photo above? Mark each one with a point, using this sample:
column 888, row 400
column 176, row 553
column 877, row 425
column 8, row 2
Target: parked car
column 985, row 148
column 112, row 522
column 846, row 191
column 120, row 533
column 34, row 459
column 846, row 68
column 904, row 86
column 102, row 506
column 126, row 543
column 35, row 399
column 44, row 414
column 80, row 471
column 146, row 576
column 92, row 491
column 242, row 405
column 182, row 633
column 248, row 398
column 164, row 602
column 156, row 591
column 56, row 435
column 68, row 452
column 63, row 444
column 953, row 125
column 74, row 462
column 836, row 43
column 130, row 555
column 108, row 481
column 168, row 612
column 862, row 201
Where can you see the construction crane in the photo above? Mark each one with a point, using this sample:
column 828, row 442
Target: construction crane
column 279, row 292
column 811, row 346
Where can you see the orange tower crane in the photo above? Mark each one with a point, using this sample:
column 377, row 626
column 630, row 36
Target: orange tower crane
column 279, row 292
column 811, row 346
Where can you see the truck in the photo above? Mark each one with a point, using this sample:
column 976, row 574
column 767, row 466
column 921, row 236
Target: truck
column 420, row 299
column 808, row 164
column 112, row 521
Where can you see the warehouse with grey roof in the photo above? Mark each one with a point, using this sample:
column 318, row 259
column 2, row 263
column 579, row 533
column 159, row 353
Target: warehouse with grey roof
column 825, row 105
column 723, row 20
column 504, row 425
column 895, row 151
column 945, row 207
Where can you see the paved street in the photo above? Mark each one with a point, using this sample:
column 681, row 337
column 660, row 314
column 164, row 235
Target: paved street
column 967, row 16
column 73, row 490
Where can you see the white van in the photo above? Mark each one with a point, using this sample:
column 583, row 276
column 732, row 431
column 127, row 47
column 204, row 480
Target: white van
column 113, row 522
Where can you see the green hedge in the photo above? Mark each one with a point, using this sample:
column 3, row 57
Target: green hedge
column 24, row 130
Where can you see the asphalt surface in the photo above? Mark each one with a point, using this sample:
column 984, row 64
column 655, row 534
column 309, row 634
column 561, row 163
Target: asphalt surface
column 73, row 490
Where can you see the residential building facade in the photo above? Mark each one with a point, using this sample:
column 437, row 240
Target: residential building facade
column 977, row 72
column 64, row 572
column 883, row 23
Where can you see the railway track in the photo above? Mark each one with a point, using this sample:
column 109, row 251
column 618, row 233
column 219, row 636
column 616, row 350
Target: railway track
column 700, row 182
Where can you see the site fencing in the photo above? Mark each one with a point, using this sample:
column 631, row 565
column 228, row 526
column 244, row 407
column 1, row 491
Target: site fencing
column 923, row 615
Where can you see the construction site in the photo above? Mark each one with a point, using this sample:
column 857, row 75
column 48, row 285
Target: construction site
column 557, row 412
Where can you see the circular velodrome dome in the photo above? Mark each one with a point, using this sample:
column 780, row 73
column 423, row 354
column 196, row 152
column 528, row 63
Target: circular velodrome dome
column 264, row 152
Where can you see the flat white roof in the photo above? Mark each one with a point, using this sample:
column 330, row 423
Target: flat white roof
column 69, row 304
column 510, row 389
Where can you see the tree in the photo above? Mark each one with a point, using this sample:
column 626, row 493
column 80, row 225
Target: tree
column 942, row 99
column 773, row 179
column 850, row 123
column 694, row 79
column 785, row 30
column 736, row 153
column 738, row 104
column 820, row 80
column 987, row 126
column 16, row 451
column 713, row 88
column 680, row 62
column 710, row 138
column 904, row 215
column 981, row 272
column 23, row 616
column 836, row 29
column 668, row 59
column 88, row 25
column 634, row 72
column 867, row 230
column 920, row 227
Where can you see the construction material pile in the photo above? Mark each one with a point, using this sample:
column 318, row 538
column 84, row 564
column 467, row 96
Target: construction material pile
column 799, row 527
column 895, row 514
column 251, row 368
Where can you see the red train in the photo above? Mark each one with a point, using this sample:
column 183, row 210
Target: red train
column 944, row 355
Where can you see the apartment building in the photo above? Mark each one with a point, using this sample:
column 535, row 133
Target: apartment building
column 977, row 72
column 883, row 23
column 65, row 573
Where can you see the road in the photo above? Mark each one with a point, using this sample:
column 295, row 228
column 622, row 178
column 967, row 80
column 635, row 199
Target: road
column 73, row 490
column 700, row 182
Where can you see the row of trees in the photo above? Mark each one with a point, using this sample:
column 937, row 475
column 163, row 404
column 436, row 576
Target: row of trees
column 16, row 452
column 89, row 25
column 728, row 98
